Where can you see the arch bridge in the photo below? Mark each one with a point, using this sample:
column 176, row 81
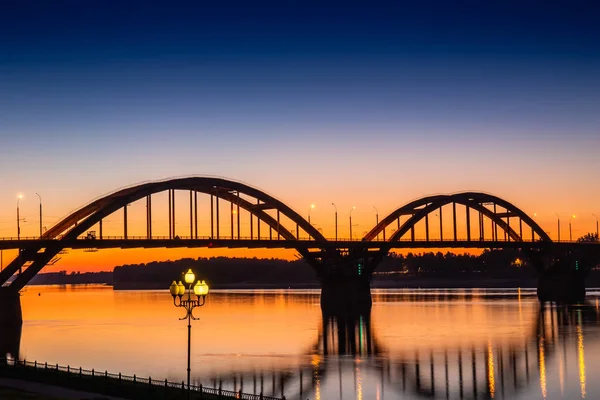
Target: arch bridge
column 343, row 266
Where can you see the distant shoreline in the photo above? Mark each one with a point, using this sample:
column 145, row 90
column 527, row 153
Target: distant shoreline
column 407, row 283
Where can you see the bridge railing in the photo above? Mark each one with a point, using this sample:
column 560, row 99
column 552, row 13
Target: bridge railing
column 274, row 238
column 339, row 239
column 107, row 383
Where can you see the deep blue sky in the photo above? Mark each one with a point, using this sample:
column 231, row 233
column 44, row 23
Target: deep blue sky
column 369, row 102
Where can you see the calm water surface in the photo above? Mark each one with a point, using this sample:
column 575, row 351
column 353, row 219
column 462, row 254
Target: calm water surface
column 415, row 344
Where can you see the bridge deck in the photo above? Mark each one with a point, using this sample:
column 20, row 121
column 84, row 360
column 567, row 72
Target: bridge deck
column 139, row 242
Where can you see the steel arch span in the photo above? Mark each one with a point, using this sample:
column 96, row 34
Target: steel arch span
column 77, row 223
column 483, row 204
column 420, row 209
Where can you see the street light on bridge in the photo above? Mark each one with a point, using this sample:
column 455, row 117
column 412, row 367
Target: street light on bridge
column 558, row 218
column 376, row 218
column 353, row 207
column 570, row 230
column 311, row 207
column 594, row 215
column 19, row 197
column 336, row 224
column 40, row 197
column 177, row 291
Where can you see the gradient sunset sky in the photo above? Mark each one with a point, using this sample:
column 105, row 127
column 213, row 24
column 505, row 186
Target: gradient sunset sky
column 358, row 103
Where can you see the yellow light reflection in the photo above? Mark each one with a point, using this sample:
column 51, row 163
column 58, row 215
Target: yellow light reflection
column 316, row 361
column 359, row 391
column 580, row 356
column 561, row 374
column 491, row 371
column 520, row 307
column 542, row 366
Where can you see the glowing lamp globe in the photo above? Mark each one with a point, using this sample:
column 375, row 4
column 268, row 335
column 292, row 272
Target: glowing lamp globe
column 174, row 289
column 201, row 289
column 180, row 289
column 189, row 277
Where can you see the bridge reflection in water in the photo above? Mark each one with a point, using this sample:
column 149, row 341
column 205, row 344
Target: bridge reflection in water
column 373, row 356
column 348, row 354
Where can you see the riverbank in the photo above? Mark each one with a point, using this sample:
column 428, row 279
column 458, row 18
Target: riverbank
column 52, row 380
column 19, row 389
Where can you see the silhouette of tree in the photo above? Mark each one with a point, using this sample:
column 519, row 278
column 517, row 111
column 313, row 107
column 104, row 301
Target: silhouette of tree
column 588, row 238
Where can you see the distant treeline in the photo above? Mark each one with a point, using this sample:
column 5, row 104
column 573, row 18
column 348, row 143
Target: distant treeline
column 489, row 262
column 219, row 272
column 505, row 268
column 256, row 273
column 62, row 278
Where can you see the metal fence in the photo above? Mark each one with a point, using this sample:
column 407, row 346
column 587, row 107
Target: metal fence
column 120, row 380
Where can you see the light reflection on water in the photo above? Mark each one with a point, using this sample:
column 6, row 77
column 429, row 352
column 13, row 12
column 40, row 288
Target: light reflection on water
column 469, row 344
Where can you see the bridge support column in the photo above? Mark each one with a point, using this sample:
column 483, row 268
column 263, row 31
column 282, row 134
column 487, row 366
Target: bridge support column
column 10, row 341
column 346, row 288
column 11, row 321
column 10, row 307
column 346, row 296
column 561, row 286
column 561, row 278
column 11, row 316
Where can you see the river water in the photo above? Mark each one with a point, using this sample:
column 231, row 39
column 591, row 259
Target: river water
column 446, row 344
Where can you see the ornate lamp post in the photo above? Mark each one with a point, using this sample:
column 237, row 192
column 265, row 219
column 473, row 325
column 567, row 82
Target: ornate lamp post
column 177, row 291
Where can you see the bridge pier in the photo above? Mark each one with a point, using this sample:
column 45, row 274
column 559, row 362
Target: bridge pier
column 11, row 321
column 10, row 307
column 10, row 341
column 561, row 277
column 346, row 288
column 346, row 296
column 562, row 286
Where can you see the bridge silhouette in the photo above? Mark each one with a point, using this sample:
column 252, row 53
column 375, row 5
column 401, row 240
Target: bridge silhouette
column 344, row 266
